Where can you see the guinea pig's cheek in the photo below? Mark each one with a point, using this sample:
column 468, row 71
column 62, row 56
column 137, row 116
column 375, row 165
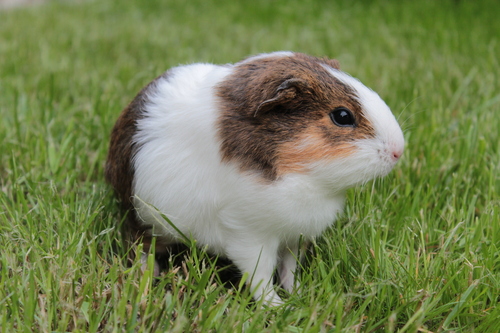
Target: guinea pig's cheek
column 299, row 156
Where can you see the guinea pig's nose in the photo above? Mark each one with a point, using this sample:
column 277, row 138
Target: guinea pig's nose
column 396, row 154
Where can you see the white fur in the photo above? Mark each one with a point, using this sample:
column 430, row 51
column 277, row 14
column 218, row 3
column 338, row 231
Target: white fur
column 372, row 157
column 277, row 54
column 389, row 136
column 178, row 170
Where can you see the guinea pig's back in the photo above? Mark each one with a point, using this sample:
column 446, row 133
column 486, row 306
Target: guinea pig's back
column 180, row 102
column 177, row 164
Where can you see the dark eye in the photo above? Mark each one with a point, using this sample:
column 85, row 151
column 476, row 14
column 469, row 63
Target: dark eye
column 342, row 117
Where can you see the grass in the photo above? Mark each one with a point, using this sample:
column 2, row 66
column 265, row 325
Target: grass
column 418, row 251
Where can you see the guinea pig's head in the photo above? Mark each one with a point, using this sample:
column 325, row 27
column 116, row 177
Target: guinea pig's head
column 289, row 113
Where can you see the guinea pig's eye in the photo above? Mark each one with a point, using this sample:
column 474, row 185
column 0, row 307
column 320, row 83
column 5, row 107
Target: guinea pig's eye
column 342, row 117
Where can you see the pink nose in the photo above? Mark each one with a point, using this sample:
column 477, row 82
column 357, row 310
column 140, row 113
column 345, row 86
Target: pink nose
column 396, row 154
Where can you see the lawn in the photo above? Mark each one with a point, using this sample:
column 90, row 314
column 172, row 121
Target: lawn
column 418, row 251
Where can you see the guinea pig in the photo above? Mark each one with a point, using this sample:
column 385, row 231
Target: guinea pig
column 248, row 158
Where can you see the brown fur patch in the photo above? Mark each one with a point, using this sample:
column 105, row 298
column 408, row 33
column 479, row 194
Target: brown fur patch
column 270, row 105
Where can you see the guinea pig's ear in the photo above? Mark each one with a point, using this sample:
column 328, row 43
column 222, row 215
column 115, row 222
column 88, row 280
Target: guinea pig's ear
column 287, row 91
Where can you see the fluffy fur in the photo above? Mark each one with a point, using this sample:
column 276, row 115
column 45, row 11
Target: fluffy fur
column 245, row 159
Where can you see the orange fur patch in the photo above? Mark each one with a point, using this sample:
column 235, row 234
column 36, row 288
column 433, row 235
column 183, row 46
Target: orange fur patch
column 310, row 147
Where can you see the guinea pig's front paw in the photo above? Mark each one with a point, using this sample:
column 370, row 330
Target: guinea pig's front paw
column 287, row 268
column 271, row 299
column 287, row 282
